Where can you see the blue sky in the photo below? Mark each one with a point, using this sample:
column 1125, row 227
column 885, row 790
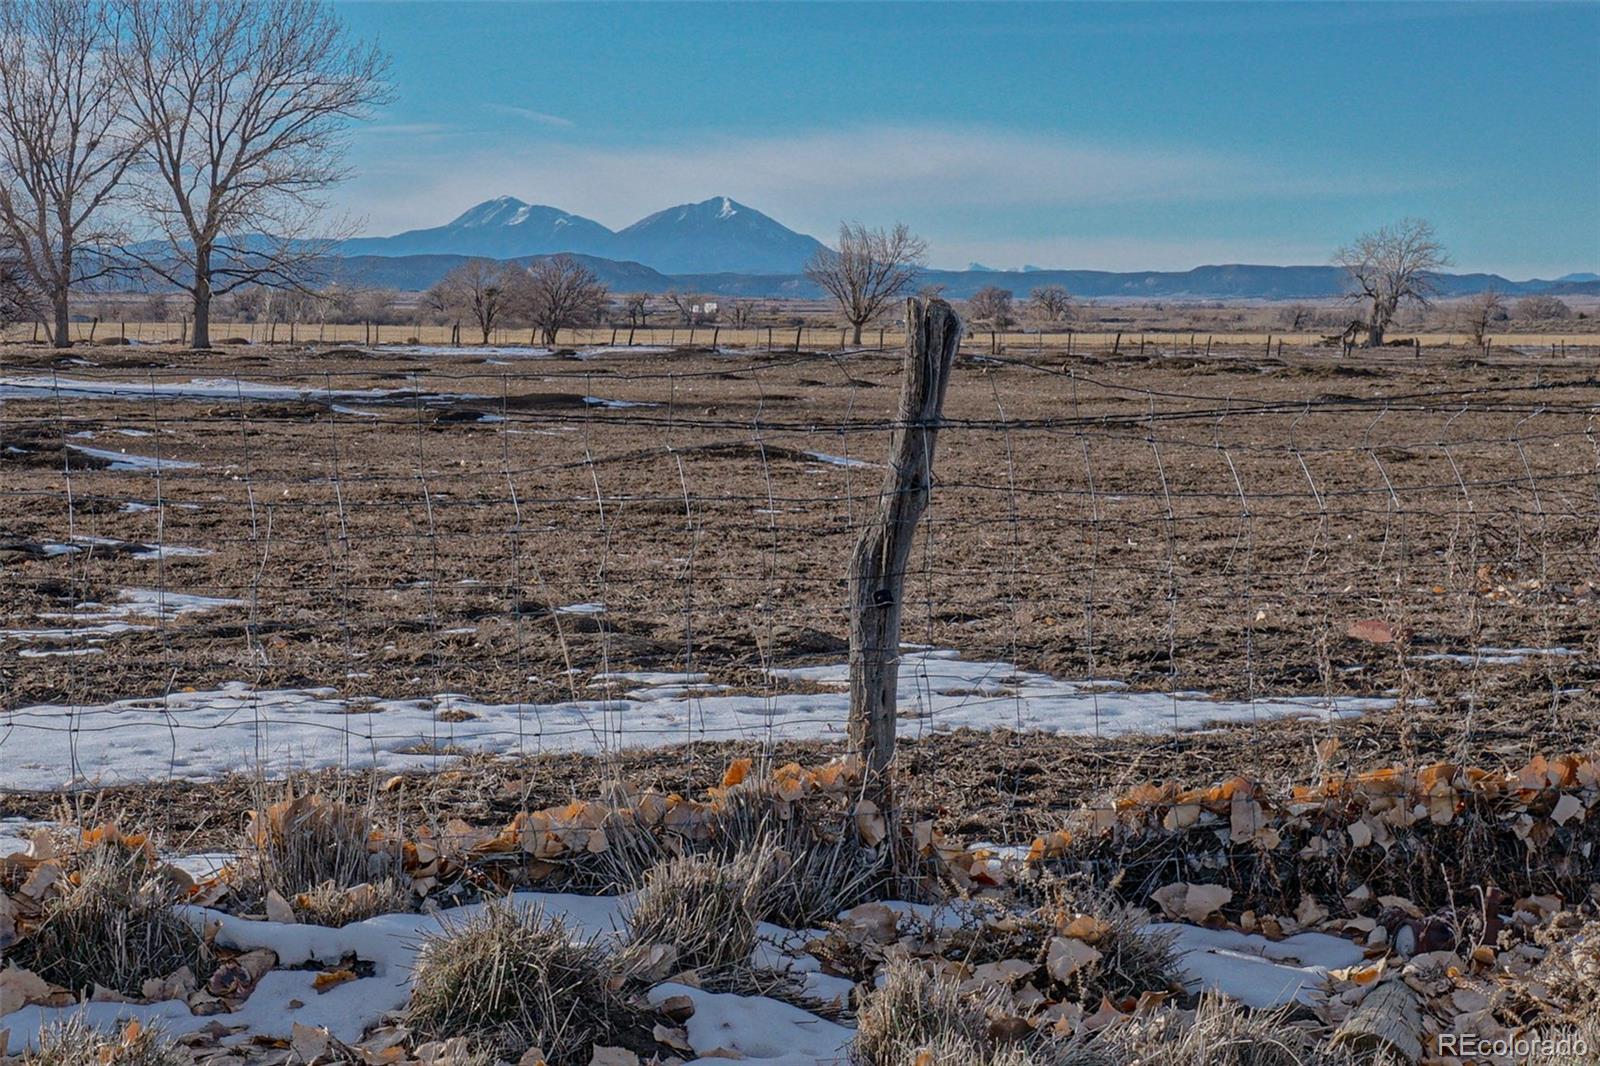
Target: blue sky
column 1115, row 136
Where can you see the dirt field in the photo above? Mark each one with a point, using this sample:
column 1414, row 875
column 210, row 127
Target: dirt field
column 409, row 524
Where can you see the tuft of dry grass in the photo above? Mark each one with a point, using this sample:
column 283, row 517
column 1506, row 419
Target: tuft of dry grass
column 917, row 1016
column 332, row 904
column 702, row 910
column 829, row 868
column 1572, row 1045
column 113, row 923
column 510, row 979
column 76, row 1043
column 317, row 853
column 914, row 1009
column 1221, row 1032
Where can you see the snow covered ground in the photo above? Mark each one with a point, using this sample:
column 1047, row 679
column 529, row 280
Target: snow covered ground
column 759, row 1029
column 202, row 734
column 36, row 387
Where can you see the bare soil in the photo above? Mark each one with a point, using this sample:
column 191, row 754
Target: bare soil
column 1168, row 522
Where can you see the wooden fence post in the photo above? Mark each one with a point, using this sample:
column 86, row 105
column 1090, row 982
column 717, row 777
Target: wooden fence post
column 878, row 564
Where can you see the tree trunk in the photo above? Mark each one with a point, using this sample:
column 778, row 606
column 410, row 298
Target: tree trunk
column 1377, row 324
column 63, row 326
column 878, row 565
column 856, row 337
column 202, row 299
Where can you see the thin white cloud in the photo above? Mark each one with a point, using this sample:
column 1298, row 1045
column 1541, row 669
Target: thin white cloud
column 537, row 117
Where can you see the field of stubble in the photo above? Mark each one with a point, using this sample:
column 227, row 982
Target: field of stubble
column 401, row 525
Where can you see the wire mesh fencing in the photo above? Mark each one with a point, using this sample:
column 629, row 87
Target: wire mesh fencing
column 1133, row 567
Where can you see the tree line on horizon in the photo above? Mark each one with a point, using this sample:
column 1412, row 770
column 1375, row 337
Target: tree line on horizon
column 189, row 143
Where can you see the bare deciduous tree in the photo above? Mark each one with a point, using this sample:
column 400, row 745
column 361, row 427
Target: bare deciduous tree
column 993, row 306
column 1391, row 266
column 636, row 308
column 741, row 313
column 244, row 106
column 1482, row 311
column 65, row 145
column 482, row 290
column 686, row 304
column 562, row 293
column 871, row 269
column 1542, row 308
column 1051, row 303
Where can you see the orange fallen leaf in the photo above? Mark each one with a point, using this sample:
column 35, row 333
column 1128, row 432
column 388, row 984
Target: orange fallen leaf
column 738, row 770
column 332, row 979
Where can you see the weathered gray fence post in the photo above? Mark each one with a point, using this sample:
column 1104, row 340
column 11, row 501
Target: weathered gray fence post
column 878, row 565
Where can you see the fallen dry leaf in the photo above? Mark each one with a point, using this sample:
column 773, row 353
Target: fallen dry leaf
column 332, row 979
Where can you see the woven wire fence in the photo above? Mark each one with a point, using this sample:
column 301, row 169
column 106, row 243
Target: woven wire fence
column 296, row 560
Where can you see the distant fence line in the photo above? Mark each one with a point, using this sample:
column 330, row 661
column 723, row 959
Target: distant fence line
column 776, row 338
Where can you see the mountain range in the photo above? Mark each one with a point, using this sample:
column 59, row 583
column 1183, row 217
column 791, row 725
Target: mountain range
column 715, row 235
column 721, row 247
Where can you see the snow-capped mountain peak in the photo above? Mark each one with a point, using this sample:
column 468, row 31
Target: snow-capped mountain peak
column 713, row 236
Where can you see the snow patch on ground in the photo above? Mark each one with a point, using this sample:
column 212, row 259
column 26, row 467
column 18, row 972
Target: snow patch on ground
column 219, row 731
column 838, row 460
column 122, row 461
column 1256, row 971
column 92, row 619
column 194, row 390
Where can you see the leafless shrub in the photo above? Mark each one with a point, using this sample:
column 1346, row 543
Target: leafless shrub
column 1481, row 312
column 76, row 1043
column 1541, row 308
column 512, row 978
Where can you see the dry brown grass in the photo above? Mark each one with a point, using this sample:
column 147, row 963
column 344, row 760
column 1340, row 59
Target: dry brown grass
column 76, row 1043
column 317, row 854
column 510, row 978
column 113, row 924
column 702, row 911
